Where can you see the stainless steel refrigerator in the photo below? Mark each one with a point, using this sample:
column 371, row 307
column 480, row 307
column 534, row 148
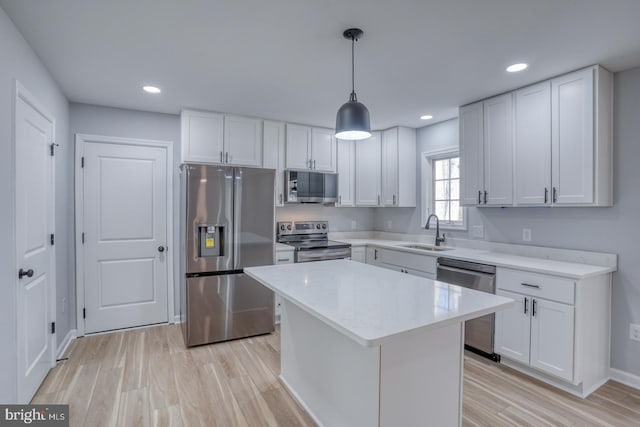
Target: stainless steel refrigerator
column 227, row 225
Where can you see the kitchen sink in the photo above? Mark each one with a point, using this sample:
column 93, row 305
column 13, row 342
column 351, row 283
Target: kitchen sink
column 426, row 248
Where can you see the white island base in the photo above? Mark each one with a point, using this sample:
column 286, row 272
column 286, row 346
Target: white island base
column 414, row 380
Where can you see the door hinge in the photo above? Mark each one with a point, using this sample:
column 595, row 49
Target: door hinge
column 52, row 239
column 84, row 313
column 53, row 327
column 82, row 162
column 83, row 237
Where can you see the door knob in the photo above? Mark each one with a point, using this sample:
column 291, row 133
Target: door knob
column 22, row 273
column 160, row 248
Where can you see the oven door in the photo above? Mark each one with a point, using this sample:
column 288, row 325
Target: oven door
column 322, row 254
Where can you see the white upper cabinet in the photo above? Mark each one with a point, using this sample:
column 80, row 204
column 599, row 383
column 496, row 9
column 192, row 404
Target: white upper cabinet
column 323, row 149
column 202, row 136
column 498, row 150
column 310, row 148
column 398, row 173
column 219, row 139
column 471, row 154
column 555, row 139
column 243, row 141
column 273, row 155
column 533, row 145
column 368, row 166
column 346, row 173
column 298, row 147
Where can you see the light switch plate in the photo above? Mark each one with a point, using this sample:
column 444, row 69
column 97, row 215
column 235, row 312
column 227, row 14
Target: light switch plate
column 634, row 332
column 389, row 224
column 526, row 234
column 353, row 225
column 478, row 231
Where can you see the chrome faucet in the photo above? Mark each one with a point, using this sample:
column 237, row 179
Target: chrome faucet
column 426, row 227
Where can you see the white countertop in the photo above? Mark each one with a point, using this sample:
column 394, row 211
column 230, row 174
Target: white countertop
column 373, row 305
column 570, row 270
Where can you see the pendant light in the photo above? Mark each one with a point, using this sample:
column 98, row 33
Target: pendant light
column 352, row 120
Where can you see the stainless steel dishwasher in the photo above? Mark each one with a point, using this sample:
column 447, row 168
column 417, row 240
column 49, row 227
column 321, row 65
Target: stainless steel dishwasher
column 478, row 333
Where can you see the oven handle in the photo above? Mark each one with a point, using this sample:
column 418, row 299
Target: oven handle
column 303, row 255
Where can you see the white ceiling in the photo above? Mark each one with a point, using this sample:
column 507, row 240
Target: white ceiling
column 287, row 60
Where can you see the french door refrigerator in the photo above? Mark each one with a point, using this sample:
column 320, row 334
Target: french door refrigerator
column 227, row 225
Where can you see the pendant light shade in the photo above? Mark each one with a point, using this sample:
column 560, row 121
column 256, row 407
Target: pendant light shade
column 352, row 120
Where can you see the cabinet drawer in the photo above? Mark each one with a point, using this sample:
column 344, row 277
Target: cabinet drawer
column 537, row 285
column 284, row 257
column 405, row 259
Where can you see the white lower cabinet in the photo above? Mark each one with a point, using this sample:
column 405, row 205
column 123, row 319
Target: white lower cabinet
column 403, row 262
column 282, row 257
column 358, row 254
column 558, row 328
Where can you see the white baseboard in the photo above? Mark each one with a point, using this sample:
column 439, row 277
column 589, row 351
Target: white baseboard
column 177, row 319
column 71, row 335
column 625, row 378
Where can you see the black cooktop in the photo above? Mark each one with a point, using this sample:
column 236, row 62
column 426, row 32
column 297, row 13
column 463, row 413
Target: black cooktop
column 317, row 244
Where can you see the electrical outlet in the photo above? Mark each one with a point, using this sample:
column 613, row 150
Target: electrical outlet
column 478, row 231
column 64, row 305
column 353, row 225
column 634, row 332
column 389, row 224
column 526, row 234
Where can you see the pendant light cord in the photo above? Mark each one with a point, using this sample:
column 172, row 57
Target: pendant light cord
column 353, row 97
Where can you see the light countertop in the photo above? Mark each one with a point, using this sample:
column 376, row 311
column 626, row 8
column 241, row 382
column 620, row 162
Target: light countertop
column 570, row 270
column 373, row 305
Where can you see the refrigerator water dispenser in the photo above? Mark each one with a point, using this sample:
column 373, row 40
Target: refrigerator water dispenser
column 210, row 240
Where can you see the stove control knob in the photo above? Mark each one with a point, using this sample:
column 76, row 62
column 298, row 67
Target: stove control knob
column 324, row 226
column 289, row 227
column 282, row 227
column 318, row 226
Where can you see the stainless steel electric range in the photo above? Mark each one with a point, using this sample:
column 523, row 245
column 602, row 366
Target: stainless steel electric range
column 311, row 241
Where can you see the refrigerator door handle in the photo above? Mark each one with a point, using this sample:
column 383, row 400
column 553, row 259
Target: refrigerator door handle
column 237, row 197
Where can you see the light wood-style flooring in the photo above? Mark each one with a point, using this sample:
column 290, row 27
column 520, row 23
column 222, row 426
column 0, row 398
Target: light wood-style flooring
column 146, row 377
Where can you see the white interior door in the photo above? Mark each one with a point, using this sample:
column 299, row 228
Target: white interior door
column 35, row 255
column 125, row 235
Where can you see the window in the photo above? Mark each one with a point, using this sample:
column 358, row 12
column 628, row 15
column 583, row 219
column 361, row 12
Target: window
column 441, row 182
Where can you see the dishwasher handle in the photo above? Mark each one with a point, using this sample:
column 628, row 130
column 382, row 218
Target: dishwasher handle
column 463, row 271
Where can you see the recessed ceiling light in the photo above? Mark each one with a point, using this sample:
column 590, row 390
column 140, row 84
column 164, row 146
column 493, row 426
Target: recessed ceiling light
column 151, row 89
column 514, row 68
column 426, row 117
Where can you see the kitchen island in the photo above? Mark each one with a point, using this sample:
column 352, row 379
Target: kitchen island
column 366, row 346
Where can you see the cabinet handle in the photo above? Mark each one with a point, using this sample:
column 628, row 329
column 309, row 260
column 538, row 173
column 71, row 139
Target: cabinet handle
column 378, row 199
column 485, row 196
column 310, row 163
column 555, row 195
column 530, row 286
column 226, row 155
column 280, row 198
column 283, row 259
column 314, row 164
column 394, row 199
column 526, row 305
column 375, row 254
column 533, row 307
column 339, row 200
column 479, row 196
column 221, row 157
column 546, row 195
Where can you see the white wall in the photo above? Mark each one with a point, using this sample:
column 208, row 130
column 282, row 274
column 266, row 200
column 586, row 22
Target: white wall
column 20, row 62
column 614, row 229
column 96, row 120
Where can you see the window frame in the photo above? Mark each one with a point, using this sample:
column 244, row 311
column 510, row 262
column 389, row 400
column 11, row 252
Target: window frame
column 428, row 205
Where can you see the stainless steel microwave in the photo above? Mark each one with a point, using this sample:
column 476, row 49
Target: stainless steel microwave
column 310, row 187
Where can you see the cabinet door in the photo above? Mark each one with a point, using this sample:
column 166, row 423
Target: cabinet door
column 273, row 156
column 323, row 149
column 389, row 171
column 371, row 256
column 346, row 173
column 471, row 154
column 512, row 333
column 243, row 141
column 358, row 254
column 533, row 145
column 368, row 171
column 202, row 137
column 298, row 147
column 572, row 137
column 498, row 150
column 552, row 338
